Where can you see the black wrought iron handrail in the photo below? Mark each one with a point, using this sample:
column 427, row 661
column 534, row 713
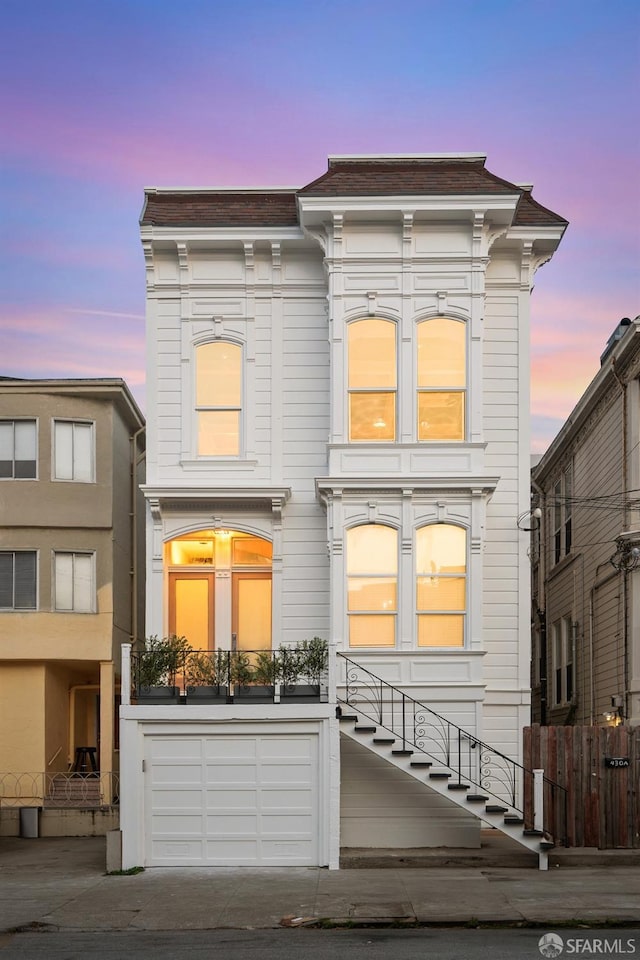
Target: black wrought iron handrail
column 443, row 742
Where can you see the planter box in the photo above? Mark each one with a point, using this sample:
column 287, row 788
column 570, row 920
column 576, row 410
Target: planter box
column 158, row 695
column 215, row 694
column 300, row 692
column 255, row 693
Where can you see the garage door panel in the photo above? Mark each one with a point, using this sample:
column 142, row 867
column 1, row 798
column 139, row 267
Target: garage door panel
column 282, row 853
column 185, row 824
column 175, row 748
column 283, row 773
column 176, row 853
column 290, row 749
column 283, row 798
column 249, row 800
column 176, row 799
column 225, row 824
column 231, row 799
column 230, row 748
column 169, row 773
column 231, row 773
column 237, row 851
column 288, row 825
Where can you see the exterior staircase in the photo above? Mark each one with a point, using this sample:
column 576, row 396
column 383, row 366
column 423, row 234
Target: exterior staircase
column 446, row 758
column 75, row 790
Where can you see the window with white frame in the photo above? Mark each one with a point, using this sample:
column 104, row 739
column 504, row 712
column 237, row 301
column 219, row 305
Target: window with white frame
column 372, row 380
column 562, row 661
column 563, row 514
column 18, row 442
column 74, row 582
column 18, row 580
column 73, row 451
column 441, row 379
column 372, row 585
column 441, row 585
column 218, row 398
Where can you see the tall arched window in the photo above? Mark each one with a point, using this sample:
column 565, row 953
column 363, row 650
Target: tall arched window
column 441, row 585
column 372, row 380
column 218, row 398
column 372, row 585
column 442, row 379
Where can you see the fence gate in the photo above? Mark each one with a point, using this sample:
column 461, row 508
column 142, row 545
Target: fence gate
column 600, row 768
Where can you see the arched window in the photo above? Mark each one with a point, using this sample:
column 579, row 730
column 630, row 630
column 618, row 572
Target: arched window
column 372, row 380
column 372, row 585
column 218, row 398
column 441, row 567
column 442, row 379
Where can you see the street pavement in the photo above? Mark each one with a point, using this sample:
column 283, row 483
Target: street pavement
column 59, row 884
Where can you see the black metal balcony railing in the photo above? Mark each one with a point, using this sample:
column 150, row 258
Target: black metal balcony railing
column 470, row 760
column 227, row 676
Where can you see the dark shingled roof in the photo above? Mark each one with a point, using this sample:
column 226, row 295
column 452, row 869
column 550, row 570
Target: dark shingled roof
column 220, row 209
column 352, row 178
column 344, row 178
column 530, row 212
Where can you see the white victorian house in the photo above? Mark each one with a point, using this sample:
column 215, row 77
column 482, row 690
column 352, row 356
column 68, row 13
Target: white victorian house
column 338, row 447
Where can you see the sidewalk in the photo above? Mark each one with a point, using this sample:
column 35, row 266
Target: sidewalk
column 59, row 884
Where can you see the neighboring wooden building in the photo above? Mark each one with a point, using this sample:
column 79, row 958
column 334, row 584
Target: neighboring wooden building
column 338, row 388
column 71, row 577
column 585, row 551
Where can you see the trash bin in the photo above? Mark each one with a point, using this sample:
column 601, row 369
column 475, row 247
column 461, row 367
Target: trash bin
column 30, row 822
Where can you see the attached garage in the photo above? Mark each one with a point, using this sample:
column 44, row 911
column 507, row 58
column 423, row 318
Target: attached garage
column 229, row 793
column 232, row 800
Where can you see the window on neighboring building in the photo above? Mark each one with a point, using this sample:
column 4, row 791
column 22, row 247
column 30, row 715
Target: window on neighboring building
column 218, row 398
column 18, row 460
column 563, row 661
column 441, row 585
column 74, row 588
column 73, row 451
column 442, row 378
column 372, row 585
column 372, row 380
column 18, row 580
column 563, row 514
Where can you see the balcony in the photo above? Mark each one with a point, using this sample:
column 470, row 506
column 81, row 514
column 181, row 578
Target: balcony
column 170, row 672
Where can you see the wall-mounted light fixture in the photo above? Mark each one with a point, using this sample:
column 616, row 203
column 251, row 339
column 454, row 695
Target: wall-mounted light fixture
column 627, row 555
column 535, row 519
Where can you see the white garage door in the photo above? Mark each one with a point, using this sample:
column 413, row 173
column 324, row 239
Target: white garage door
column 231, row 800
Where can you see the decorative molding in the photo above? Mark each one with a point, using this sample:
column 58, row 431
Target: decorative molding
column 372, row 298
column 147, row 249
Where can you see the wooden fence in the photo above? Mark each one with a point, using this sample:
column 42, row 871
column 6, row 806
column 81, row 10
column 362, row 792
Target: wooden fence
column 603, row 801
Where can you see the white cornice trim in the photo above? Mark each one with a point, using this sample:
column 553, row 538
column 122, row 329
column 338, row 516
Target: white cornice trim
column 209, row 493
column 196, row 234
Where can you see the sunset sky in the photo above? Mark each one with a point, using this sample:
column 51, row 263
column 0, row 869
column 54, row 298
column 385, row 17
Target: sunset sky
column 100, row 98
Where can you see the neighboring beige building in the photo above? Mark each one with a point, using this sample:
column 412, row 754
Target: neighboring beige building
column 586, row 549
column 71, row 460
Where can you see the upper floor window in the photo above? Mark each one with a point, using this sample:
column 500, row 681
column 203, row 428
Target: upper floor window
column 563, row 514
column 73, row 451
column 372, row 380
column 18, row 580
column 73, row 575
column 441, row 568
column 372, row 585
column 442, row 378
column 562, row 652
column 218, row 398
column 18, row 460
